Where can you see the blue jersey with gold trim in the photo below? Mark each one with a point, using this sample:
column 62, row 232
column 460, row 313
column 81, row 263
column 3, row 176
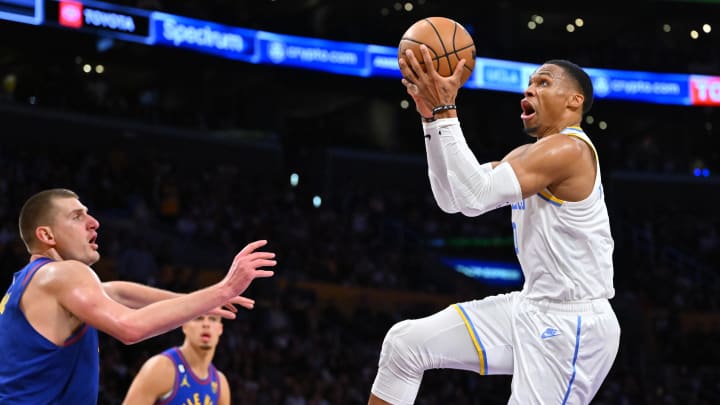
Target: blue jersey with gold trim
column 33, row 369
column 188, row 388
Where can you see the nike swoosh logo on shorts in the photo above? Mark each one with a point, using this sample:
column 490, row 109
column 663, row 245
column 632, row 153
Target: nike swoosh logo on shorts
column 549, row 332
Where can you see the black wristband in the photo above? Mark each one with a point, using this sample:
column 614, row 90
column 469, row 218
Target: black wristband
column 428, row 119
column 442, row 108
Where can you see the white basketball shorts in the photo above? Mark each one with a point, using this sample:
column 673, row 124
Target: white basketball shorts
column 558, row 353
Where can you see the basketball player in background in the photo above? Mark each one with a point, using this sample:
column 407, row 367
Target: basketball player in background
column 184, row 375
column 559, row 336
column 51, row 313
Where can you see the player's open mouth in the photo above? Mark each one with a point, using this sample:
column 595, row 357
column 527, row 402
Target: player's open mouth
column 528, row 111
column 93, row 241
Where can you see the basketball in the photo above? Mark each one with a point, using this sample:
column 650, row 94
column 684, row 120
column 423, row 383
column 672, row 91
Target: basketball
column 447, row 41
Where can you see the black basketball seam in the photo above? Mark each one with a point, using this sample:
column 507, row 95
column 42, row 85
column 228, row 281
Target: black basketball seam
column 457, row 51
column 445, row 55
column 465, row 47
column 420, row 59
column 454, row 36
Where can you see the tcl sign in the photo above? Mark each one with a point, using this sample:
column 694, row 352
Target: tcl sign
column 705, row 90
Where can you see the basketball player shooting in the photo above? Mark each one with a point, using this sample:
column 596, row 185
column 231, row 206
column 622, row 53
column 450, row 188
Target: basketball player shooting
column 558, row 336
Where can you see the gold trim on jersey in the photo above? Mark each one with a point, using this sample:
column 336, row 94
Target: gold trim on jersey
column 547, row 196
column 575, row 133
column 588, row 143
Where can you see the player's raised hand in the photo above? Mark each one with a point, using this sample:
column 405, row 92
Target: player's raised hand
column 244, row 302
column 246, row 267
column 411, row 82
column 229, row 311
column 427, row 84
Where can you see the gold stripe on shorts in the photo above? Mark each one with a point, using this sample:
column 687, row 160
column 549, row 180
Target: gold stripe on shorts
column 475, row 339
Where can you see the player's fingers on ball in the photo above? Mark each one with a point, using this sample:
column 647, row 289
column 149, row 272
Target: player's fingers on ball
column 411, row 87
column 401, row 63
column 459, row 69
column 407, row 72
column 427, row 58
column 410, row 57
column 413, row 63
column 405, row 69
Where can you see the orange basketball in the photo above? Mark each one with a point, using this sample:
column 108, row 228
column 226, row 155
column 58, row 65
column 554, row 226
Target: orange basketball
column 447, row 40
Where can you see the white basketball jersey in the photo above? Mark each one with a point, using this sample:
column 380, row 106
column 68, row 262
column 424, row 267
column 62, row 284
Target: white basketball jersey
column 565, row 248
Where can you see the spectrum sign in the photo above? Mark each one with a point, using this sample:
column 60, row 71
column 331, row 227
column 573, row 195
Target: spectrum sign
column 346, row 58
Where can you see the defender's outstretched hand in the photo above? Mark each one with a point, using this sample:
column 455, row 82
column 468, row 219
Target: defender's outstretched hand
column 229, row 311
column 246, row 267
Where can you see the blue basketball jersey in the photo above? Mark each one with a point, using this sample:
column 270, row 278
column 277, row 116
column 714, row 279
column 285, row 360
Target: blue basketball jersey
column 34, row 370
column 188, row 388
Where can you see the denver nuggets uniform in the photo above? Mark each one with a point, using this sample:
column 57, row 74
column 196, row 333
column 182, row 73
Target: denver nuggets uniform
column 188, row 388
column 38, row 371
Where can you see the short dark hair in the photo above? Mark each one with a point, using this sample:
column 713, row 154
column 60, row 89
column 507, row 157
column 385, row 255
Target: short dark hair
column 581, row 77
column 37, row 211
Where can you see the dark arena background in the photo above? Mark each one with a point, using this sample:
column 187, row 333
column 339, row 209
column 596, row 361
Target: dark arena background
column 191, row 128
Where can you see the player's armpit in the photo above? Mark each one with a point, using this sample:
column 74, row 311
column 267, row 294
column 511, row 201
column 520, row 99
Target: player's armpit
column 154, row 380
column 224, row 398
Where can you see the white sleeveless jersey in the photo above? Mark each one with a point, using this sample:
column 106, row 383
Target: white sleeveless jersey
column 565, row 248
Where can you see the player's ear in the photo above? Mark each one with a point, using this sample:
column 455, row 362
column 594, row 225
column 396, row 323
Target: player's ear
column 576, row 101
column 45, row 235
